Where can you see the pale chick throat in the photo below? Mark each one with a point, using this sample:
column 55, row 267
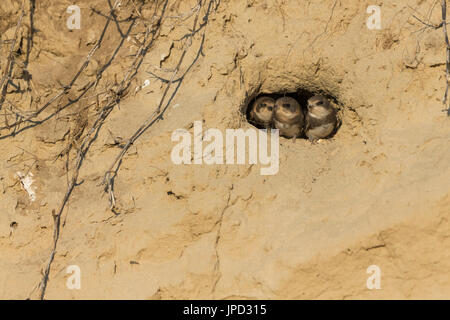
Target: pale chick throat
column 265, row 115
column 319, row 112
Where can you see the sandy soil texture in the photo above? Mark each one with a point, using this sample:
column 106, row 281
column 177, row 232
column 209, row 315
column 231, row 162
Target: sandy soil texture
column 86, row 176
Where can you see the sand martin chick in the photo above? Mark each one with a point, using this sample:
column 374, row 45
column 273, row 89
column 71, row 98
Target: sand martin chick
column 288, row 117
column 321, row 118
column 262, row 111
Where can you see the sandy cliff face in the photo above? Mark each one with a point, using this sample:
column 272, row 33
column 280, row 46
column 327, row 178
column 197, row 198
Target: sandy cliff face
column 377, row 193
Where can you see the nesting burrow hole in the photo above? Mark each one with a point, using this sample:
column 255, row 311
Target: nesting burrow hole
column 302, row 96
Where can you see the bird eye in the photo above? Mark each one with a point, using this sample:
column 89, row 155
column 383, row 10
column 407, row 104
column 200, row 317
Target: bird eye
column 286, row 106
column 319, row 103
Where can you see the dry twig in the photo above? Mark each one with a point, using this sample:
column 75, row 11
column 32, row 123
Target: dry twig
column 31, row 118
column 163, row 104
column 443, row 25
column 447, row 61
column 91, row 136
column 9, row 62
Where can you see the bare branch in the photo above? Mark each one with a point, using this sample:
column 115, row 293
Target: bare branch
column 10, row 62
column 91, row 136
column 447, row 61
column 112, row 172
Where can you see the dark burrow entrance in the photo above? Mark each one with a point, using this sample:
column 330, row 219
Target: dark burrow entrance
column 301, row 96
